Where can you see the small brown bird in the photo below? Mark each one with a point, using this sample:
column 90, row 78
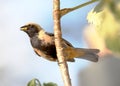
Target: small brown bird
column 43, row 44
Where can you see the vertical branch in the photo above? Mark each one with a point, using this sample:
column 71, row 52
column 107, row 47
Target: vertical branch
column 58, row 42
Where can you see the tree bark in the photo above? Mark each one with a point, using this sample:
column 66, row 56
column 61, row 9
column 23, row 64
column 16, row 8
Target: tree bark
column 58, row 42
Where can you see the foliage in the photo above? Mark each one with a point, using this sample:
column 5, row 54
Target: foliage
column 105, row 17
column 113, row 5
column 50, row 84
column 36, row 82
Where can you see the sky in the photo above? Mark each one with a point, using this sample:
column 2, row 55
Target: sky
column 19, row 64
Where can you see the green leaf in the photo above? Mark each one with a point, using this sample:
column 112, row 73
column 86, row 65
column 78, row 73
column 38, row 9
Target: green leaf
column 34, row 82
column 114, row 6
column 113, row 43
column 100, row 6
column 96, row 18
column 107, row 27
column 50, row 84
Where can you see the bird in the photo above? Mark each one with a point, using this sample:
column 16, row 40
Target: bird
column 43, row 44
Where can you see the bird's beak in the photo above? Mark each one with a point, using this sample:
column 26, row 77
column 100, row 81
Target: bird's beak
column 23, row 28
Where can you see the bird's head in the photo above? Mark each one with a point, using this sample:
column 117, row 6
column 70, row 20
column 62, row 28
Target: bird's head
column 31, row 29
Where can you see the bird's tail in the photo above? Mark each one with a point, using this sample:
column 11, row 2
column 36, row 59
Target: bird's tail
column 88, row 54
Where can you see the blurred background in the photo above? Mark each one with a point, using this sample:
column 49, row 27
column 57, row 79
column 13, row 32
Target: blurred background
column 18, row 62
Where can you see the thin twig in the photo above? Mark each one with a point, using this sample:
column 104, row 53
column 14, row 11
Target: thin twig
column 58, row 40
column 67, row 10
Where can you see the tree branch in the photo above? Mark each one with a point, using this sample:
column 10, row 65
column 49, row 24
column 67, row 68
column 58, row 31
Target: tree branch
column 58, row 42
column 67, row 10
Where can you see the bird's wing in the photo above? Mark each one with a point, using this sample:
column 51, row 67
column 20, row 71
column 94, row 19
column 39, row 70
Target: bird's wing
column 48, row 57
column 68, row 43
column 50, row 34
column 65, row 43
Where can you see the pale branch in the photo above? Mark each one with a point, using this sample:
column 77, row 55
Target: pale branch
column 67, row 10
column 58, row 42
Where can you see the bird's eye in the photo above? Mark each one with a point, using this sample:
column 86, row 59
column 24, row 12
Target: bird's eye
column 29, row 25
